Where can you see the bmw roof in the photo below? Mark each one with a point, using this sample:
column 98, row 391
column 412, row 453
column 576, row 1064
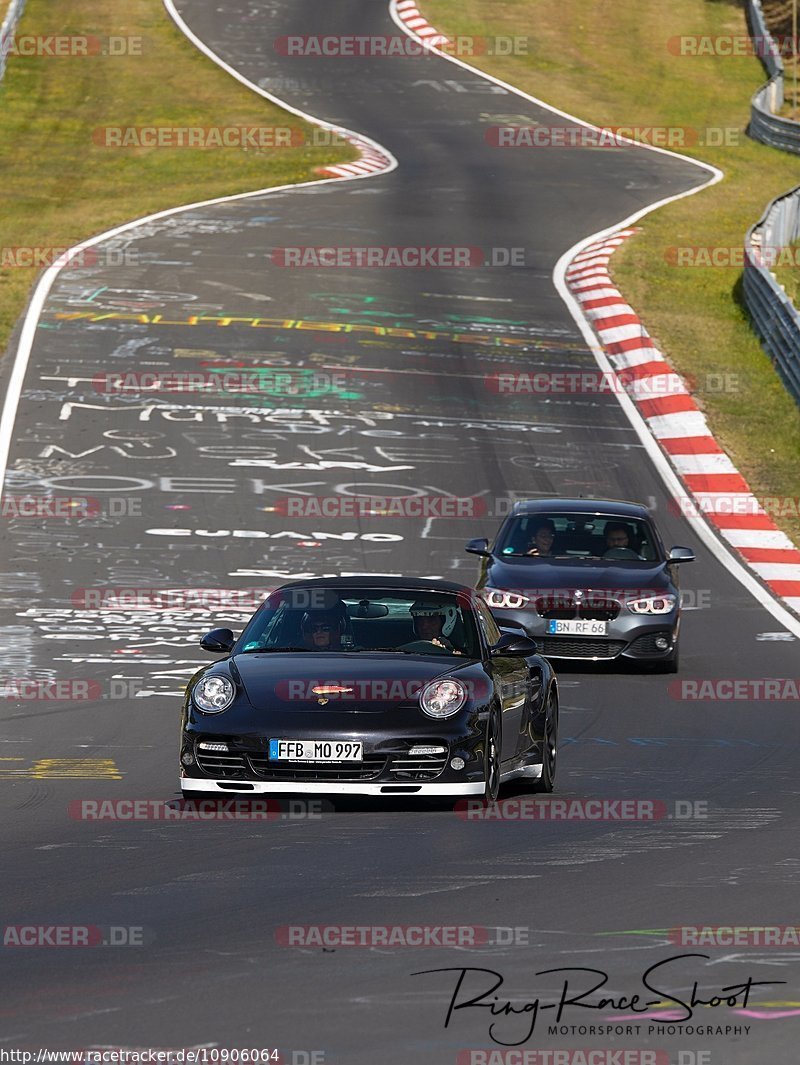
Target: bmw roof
column 620, row 507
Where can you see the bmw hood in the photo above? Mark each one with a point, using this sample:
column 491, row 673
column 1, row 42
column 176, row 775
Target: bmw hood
column 535, row 576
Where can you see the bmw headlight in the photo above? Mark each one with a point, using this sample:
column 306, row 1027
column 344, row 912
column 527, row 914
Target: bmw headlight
column 501, row 600
column 654, row 604
column 213, row 693
column 442, row 698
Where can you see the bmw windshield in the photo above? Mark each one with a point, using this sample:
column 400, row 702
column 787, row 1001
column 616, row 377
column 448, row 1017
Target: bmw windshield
column 576, row 536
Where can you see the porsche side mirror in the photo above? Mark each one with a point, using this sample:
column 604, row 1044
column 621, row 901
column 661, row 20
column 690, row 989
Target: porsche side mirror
column 516, row 644
column 680, row 554
column 218, row 641
column 478, row 546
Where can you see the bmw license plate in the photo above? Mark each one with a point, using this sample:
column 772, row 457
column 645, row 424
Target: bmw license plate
column 315, row 751
column 577, row 628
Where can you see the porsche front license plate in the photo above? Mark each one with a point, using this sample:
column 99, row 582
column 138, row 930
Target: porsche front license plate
column 577, row 628
column 314, row 751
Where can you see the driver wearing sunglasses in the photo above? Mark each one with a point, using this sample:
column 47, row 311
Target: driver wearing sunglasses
column 322, row 630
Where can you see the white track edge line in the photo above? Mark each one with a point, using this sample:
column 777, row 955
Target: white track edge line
column 45, row 283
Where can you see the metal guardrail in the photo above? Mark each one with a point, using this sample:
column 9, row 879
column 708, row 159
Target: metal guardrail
column 13, row 15
column 774, row 316
column 766, row 125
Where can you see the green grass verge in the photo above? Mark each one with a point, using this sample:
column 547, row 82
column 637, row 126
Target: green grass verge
column 610, row 63
column 57, row 186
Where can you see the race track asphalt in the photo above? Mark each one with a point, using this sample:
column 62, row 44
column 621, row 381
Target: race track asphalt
column 202, row 480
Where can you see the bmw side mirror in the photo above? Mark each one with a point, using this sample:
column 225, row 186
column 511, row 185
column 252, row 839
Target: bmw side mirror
column 218, row 641
column 516, row 644
column 681, row 554
column 478, row 546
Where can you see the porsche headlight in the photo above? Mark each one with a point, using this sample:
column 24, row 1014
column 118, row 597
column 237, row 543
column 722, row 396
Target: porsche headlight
column 213, row 694
column 501, row 600
column 442, row 698
column 654, row 604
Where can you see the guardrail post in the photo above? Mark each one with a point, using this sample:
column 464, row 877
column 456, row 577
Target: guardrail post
column 7, row 28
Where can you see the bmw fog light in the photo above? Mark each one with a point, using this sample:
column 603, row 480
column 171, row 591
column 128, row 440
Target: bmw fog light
column 662, row 643
column 457, row 763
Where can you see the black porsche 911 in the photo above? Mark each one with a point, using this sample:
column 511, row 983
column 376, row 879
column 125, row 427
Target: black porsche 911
column 370, row 686
column 588, row 579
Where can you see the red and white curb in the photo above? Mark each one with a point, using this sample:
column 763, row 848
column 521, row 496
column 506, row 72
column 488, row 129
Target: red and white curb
column 371, row 161
column 414, row 20
column 687, row 450
column 714, row 486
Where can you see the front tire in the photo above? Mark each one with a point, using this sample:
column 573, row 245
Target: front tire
column 491, row 760
column 547, row 781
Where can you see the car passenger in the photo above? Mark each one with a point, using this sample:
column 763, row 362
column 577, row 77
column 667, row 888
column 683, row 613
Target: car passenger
column 541, row 543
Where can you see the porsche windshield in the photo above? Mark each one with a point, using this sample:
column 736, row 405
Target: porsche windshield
column 316, row 618
column 579, row 536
